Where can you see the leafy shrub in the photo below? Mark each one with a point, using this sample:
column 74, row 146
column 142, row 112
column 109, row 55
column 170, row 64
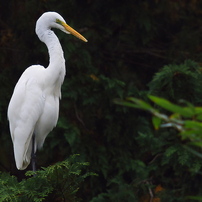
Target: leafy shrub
column 58, row 182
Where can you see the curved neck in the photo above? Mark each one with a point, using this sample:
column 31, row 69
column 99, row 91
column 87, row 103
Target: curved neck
column 56, row 56
column 55, row 71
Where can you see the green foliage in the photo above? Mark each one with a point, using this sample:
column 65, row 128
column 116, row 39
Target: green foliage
column 60, row 181
column 186, row 120
column 134, row 49
column 176, row 82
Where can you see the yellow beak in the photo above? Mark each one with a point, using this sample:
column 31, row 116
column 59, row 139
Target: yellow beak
column 72, row 31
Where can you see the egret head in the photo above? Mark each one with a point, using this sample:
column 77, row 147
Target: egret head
column 53, row 20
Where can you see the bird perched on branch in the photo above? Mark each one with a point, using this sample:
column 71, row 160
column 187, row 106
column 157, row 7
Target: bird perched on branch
column 34, row 106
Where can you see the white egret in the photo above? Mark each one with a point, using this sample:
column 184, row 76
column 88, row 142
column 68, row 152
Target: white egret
column 34, row 106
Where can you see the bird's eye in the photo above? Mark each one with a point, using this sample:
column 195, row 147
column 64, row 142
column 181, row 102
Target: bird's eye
column 59, row 21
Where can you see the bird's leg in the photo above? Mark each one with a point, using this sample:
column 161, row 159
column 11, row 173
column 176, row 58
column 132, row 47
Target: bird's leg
column 33, row 155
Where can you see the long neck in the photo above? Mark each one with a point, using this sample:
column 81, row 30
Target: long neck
column 56, row 57
column 56, row 68
column 54, row 49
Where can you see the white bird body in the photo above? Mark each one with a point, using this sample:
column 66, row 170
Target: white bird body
column 34, row 105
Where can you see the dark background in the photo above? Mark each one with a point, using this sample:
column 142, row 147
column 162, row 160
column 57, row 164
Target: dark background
column 128, row 43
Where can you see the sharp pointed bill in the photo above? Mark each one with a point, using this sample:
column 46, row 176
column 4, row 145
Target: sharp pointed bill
column 71, row 30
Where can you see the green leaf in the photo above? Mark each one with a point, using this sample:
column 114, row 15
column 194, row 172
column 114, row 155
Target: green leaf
column 142, row 104
column 156, row 122
column 198, row 143
column 197, row 198
column 190, row 134
column 184, row 111
column 125, row 103
column 198, row 112
column 193, row 125
column 199, row 117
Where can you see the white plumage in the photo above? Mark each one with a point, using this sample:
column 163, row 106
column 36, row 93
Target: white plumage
column 34, row 105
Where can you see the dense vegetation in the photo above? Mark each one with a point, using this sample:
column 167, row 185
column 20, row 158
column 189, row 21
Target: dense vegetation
column 135, row 48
